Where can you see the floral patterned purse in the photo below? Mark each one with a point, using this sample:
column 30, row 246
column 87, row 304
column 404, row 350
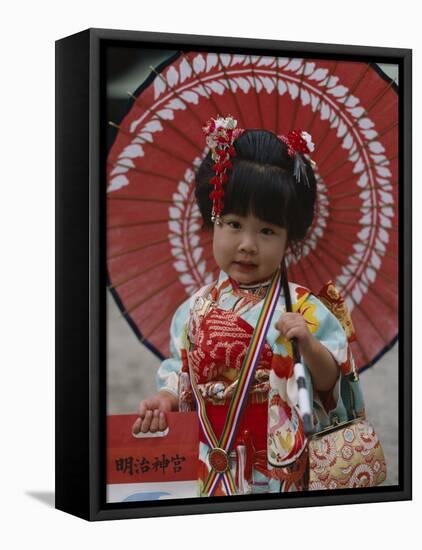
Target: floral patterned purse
column 346, row 454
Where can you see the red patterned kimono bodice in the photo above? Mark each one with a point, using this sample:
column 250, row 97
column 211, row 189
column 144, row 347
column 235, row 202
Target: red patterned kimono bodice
column 220, row 342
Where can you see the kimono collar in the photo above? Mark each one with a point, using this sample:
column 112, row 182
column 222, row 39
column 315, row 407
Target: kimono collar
column 229, row 284
column 225, row 283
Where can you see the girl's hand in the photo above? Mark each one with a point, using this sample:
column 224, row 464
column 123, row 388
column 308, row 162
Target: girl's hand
column 152, row 412
column 293, row 325
column 322, row 364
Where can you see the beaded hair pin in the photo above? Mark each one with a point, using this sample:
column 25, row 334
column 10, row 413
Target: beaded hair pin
column 220, row 134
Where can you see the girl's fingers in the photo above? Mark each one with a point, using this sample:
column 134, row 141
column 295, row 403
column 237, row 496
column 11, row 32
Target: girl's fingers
column 142, row 409
column 162, row 421
column 154, row 422
column 136, row 428
column 146, row 422
column 148, row 404
column 144, row 406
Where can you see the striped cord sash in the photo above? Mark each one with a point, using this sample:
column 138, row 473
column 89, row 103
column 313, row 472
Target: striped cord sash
column 220, row 449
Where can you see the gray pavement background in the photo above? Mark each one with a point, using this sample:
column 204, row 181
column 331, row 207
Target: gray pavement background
column 131, row 369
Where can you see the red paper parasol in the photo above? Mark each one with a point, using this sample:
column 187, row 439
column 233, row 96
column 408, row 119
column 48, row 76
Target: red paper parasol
column 157, row 254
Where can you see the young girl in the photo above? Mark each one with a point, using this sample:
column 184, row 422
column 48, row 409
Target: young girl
column 260, row 204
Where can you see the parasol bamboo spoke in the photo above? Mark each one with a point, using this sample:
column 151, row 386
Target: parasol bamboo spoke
column 149, row 222
column 164, row 121
column 317, row 262
column 344, row 161
column 154, row 292
column 359, row 208
column 172, row 179
column 383, row 132
column 209, row 96
column 362, row 264
column 357, row 224
column 277, row 103
column 136, row 292
column 356, row 175
column 392, row 282
column 136, row 248
column 234, row 96
column 258, row 104
column 133, row 276
column 314, row 268
column 296, row 103
column 382, row 93
column 137, row 274
column 364, row 113
column 143, row 246
column 142, row 199
column 152, row 144
column 169, row 312
column 342, row 237
column 318, row 105
column 358, row 191
column 175, row 91
column 351, row 91
column 362, row 147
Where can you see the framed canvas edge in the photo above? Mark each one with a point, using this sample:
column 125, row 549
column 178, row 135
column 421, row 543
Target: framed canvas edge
column 98, row 510
column 221, row 42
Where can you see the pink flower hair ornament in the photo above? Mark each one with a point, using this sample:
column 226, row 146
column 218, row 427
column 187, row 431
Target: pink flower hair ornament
column 220, row 134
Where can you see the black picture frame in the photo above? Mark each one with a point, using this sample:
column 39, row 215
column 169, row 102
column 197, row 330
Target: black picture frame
column 81, row 275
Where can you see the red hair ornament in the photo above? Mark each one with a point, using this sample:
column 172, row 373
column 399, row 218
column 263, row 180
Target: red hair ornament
column 220, row 135
column 299, row 144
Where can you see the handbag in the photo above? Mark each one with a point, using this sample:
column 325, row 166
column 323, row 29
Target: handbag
column 345, row 454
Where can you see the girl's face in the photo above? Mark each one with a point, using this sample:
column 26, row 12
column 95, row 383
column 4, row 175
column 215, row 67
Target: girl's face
column 247, row 248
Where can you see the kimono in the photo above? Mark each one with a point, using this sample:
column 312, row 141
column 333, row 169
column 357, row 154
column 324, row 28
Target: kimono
column 209, row 337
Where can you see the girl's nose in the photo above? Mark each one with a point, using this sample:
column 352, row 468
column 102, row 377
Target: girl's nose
column 248, row 244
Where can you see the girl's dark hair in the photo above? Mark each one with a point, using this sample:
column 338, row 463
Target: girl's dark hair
column 262, row 183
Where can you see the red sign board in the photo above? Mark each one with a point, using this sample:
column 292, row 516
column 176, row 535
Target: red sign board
column 171, row 455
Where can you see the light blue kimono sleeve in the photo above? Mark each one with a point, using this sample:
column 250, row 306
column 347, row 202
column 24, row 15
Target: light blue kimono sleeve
column 346, row 399
column 167, row 376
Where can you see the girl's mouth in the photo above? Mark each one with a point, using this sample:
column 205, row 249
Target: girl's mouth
column 245, row 266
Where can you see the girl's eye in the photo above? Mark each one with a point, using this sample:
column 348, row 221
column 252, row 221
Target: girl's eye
column 233, row 224
column 267, row 231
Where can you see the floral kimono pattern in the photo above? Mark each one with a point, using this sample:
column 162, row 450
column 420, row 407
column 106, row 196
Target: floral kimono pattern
column 210, row 334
